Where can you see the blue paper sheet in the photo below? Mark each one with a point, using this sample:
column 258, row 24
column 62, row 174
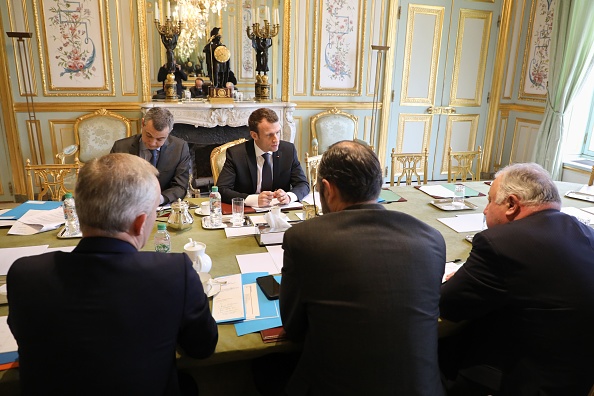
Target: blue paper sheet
column 19, row 211
column 269, row 309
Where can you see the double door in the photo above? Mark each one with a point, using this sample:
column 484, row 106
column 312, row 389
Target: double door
column 444, row 61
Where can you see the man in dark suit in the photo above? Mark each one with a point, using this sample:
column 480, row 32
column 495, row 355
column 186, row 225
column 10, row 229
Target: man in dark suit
column 105, row 319
column 248, row 174
column 360, row 286
column 528, row 289
column 169, row 154
column 197, row 90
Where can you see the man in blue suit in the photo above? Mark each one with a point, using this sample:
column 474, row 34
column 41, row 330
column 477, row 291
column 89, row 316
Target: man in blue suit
column 244, row 172
column 106, row 319
column 527, row 290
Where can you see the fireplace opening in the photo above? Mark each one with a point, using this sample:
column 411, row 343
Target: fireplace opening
column 202, row 141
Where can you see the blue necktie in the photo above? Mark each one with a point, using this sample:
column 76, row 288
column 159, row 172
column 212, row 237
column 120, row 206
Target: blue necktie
column 266, row 174
column 154, row 157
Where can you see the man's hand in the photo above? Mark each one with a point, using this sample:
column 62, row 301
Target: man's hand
column 265, row 198
column 282, row 196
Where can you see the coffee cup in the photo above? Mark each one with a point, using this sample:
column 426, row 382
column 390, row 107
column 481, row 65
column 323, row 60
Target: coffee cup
column 205, row 208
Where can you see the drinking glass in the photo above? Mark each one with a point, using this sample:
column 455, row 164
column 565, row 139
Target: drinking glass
column 237, row 211
column 459, row 194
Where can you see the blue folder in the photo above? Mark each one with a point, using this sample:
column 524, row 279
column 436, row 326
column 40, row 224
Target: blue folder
column 19, row 211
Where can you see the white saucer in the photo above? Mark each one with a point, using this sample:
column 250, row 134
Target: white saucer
column 198, row 211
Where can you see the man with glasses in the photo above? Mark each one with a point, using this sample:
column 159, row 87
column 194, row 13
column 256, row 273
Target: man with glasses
column 265, row 168
column 169, row 154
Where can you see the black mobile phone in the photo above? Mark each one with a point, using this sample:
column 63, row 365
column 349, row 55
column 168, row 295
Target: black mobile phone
column 270, row 287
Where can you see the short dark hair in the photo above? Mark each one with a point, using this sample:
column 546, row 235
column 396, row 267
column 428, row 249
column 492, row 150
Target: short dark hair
column 258, row 115
column 354, row 169
column 161, row 118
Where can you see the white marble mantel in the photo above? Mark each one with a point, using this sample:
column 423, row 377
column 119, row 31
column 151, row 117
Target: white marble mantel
column 208, row 115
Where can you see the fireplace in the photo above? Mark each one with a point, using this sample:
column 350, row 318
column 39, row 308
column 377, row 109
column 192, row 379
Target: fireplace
column 202, row 141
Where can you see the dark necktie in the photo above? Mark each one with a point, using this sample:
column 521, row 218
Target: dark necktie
column 266, row 174
column 154, row 157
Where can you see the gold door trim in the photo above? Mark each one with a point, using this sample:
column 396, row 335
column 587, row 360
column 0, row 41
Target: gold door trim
column 427, row 119
column 451, row 119
column 466, row 14
column 413, row 11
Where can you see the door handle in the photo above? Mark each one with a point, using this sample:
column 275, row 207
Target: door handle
column 441, row 110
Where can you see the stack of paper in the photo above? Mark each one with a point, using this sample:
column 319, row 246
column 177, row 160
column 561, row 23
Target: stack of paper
column 241, row 302
column 465, row 223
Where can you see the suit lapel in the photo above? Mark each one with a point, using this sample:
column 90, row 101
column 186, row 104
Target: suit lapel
column 251, row 162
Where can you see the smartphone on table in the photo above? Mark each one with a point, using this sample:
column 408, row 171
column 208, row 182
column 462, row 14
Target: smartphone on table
column 270, row 286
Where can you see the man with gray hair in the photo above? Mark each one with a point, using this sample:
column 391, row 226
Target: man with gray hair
column 528, row 289
column 169, row 154
column 105, row 319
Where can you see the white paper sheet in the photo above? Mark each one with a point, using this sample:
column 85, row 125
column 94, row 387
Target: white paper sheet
column 250, row 300
column 7, row 341
column 36, row 221
column 257, row 262
column 589, row 209
column 465, row 223
column 235, row 232
column 580, row 214
column 277, row 253
column 437, row 191
column 228, row 304
column 309, row 198
column 9, row 255
column 6, row 223
column 450, row 267
column 586, row 189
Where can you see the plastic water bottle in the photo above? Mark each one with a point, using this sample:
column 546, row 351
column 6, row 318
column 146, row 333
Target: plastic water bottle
column 72, row 227
column 162, row 239
column 216, row 215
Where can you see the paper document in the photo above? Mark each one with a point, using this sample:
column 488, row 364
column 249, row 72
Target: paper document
column 6, row 223
column 589, row 209
column 234, row 232
column 465, row 223
column 10, row 255
column 227, row 306
column 257, row 262
column 274, row 202
column 7, row 341
column 437, row 191
column 277, row 253
column 586, row 189
column 16, row 213
column 450, row 267
column 309, row 198
column 36, row 221
column 581, row 214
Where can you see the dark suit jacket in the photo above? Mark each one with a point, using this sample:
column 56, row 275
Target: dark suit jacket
column 239, row 175
column 533, row 281
column 174, row 164
column 361, row 287
column 198, row 93
column 105, row 319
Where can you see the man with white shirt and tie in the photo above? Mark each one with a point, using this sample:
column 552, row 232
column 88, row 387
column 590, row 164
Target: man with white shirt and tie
column 169, row 154
column 264, row 168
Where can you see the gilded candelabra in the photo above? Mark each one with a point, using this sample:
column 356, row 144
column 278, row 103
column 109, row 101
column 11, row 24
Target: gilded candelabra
column 169, row 32
column 262, row 40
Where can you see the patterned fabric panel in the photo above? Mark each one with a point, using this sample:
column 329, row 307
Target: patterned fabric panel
column 97, row 135
column 333, row 128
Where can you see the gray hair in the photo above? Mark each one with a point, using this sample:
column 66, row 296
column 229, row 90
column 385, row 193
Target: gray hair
column 530, row 182
column 161, row 118
column 111, row 191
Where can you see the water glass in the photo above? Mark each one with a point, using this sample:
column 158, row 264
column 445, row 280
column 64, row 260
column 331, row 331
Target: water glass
column 237, row 211
column 459, row 194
